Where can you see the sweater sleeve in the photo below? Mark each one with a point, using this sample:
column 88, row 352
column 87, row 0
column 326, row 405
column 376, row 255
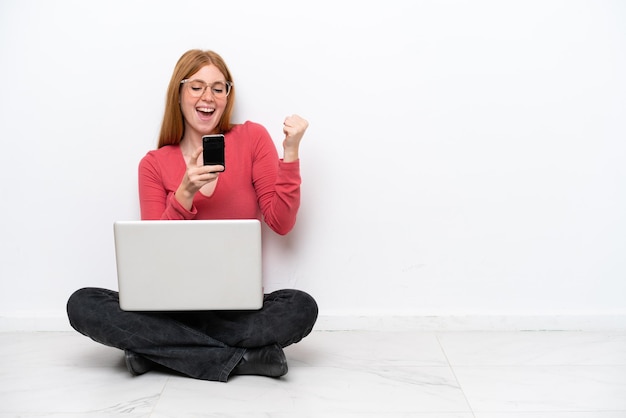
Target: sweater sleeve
column 277, row 186
column 155, row 201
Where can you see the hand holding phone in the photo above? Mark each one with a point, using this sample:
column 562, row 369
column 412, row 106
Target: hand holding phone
column 213, row 150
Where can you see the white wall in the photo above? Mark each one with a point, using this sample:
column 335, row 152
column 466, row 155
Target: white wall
column 464, row 158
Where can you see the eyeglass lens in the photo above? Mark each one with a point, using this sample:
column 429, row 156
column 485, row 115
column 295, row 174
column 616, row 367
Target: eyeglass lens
column 218, row 89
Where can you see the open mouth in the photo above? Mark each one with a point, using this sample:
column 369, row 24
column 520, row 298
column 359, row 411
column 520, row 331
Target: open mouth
column 205, row 112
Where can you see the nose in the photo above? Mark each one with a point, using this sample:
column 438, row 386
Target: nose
column 207, row 94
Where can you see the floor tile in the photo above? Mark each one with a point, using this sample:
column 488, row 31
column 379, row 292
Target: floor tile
column 66, row 373
column 64, row 390
column 584, row 414
column 333, row 374
column 307, row 414
column 534, row 348
column 544, row 388
column 50, row 349
column 77, row 415
column 367, row 348
column 319, row 390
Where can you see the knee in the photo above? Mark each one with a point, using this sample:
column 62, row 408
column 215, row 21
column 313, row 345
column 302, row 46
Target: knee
column 301, row 316
column 82, row 304
column 73, row 307
column 304, row 308
column 308, row 305
column 79, row 300
column 76, row 306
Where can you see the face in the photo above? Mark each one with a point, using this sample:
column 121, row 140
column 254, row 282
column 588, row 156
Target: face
column 202, row 114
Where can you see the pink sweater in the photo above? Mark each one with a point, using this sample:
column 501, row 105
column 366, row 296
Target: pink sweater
column 255, row 185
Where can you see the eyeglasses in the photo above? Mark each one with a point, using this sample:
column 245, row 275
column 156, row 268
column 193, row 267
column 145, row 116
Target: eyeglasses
column 219, row 89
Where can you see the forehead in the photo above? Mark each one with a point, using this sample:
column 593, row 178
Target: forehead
column 208, row 73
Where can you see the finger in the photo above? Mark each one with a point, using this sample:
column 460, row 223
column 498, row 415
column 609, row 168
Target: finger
column 214, row 169
column 193, row 160
column 295, row 121
column 201, row 176
column 290, row 129
column 297, row 128
column 291, row 120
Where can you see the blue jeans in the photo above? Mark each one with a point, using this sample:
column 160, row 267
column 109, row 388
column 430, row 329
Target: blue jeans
column 201, row 344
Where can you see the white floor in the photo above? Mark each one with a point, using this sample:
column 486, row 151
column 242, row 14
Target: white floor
column 334, row 374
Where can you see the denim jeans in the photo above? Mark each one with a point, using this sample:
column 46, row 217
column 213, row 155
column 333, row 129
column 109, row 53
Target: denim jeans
column 201, row 344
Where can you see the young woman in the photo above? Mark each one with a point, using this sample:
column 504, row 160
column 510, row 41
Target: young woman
column 174, row 184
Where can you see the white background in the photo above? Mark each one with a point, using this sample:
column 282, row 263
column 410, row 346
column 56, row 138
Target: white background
column 463, row 157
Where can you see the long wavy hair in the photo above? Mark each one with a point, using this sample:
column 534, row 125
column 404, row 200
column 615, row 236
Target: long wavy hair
column 173, row 126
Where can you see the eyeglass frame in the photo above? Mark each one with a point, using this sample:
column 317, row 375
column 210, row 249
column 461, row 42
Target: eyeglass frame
column 228, row 84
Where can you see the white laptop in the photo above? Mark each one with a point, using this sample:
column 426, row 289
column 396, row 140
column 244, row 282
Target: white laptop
column 189, row 265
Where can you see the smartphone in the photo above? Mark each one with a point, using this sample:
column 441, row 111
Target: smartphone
column 213, row 150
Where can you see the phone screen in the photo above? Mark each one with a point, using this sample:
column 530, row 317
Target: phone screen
column 213, row 150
